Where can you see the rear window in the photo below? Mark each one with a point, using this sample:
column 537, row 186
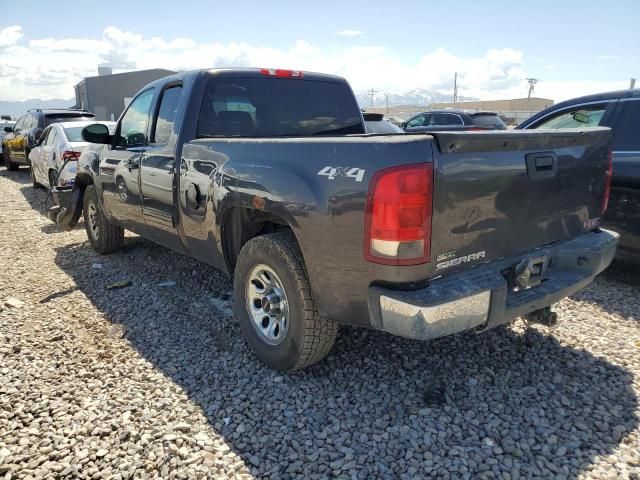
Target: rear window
column 626, row 135
column 492, row 121
column 66, row 117
column 274, row 107
column 74, row 134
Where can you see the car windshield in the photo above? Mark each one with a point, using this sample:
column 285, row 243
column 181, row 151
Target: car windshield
column 273, row 107
column 492, row 121
column 74, row 134
column 382, row 126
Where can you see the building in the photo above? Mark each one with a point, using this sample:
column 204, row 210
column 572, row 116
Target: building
column 108, row 94
column 515, row 110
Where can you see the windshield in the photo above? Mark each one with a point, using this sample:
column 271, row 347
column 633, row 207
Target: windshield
column 273, row 107
column 74, row 134
column 382, row 126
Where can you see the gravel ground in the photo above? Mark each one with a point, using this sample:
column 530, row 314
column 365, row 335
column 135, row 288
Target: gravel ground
column 155, row 381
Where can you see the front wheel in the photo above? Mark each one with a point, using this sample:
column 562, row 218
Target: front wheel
column 275, row 307
column 103, row 236
column 10, row 164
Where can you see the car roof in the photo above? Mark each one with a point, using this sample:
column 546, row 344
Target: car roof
column 82, row 124
column 58, row 111
column 596, row 97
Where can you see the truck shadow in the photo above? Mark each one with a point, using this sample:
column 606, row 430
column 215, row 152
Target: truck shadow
column 502, row 400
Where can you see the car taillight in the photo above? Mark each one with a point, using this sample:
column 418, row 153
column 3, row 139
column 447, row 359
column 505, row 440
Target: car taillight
column 278, row 72
column 398, row 215
column 70, row 155
column 607, row 184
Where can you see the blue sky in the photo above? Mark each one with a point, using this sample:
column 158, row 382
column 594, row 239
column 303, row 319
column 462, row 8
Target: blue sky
column 575, row 47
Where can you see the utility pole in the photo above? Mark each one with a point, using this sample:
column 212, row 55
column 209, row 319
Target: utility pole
column 455, row 90
column 371, row 93
column 632, row 83
column 532, row 84
column 386, row 99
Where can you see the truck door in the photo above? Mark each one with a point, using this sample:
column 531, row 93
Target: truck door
column 120, row 165
column 158, row 172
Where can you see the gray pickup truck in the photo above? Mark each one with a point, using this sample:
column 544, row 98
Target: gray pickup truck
column 268, row 175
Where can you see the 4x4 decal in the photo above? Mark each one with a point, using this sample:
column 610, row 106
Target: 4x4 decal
column 347, row 172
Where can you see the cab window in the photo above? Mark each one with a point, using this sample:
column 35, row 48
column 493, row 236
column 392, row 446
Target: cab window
column 51, row 138
column 626, row 134
column 439, row 119
column 166, row 114
column 580, row 117
column 133, row 126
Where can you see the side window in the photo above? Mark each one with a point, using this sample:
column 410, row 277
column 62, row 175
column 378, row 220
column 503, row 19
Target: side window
column 33, row 123
column 43, row 137
column 133, row 127
column 419, row 121
column 166, row 114
column 445, row 119
column 51, row 138
column 626, row 135
column 580, row 117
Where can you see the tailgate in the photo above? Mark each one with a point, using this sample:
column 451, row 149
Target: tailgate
column 498, row 194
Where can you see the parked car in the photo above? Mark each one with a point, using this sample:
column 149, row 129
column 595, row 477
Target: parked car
column 269, row 175
column 4, row 124
column 619, row 110
column 376, row 123
column 59, row 143
column 452, row 120
column 23, row 136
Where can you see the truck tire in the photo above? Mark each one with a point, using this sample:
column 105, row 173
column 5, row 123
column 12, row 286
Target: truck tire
column 103, row 236
column 8, row 162
column 275, row 307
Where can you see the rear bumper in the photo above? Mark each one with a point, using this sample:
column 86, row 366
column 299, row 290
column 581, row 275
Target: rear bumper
column 483, row 298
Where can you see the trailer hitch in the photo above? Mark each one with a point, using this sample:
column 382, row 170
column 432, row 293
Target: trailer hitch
column 543, row 316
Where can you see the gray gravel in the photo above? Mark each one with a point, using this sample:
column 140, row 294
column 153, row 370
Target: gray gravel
column 154, row 380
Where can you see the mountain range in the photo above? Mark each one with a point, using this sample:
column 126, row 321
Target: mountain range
column 18, row 108
column 418, row 96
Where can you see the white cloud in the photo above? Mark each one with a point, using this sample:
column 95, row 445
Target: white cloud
column 607, row 57
column 349, row 33
column 10, row 35
column 49, row 68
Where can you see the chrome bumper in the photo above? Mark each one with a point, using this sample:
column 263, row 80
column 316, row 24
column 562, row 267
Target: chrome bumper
column 482, row 297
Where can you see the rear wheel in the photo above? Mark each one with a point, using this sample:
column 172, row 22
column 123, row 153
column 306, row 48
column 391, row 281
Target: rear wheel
column 275, row 307
column 10, row 164
column 103, row 236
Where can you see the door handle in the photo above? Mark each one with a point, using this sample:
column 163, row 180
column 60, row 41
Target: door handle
column 133, row 165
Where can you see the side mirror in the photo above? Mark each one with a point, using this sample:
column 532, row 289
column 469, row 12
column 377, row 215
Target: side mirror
column 403, row 124
column 8, row 129
column 96, row 133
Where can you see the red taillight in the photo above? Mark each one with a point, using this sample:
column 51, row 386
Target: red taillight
column 607, row 184
column 280, row 73
column 70, row 155
column 398, row 215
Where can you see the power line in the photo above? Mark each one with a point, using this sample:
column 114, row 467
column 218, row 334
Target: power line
column 371, row 93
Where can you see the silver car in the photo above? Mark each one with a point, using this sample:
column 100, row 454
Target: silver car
column 59, row 143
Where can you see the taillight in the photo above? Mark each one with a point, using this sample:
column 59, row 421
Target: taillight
column 280, row 73
column 70, row 155
column 607, row 184
column 398, row 215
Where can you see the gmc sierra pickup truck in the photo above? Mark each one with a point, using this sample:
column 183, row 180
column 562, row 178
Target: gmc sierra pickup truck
column 269, row 176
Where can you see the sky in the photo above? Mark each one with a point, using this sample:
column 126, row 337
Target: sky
column 573, row 47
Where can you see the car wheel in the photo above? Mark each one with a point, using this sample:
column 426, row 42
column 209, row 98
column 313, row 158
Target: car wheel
column 275, row 307
column 122, row 189
column 103, row 236
column 11, row 165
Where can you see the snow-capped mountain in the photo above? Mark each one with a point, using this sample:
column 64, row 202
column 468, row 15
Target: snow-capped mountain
column 418, row 96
